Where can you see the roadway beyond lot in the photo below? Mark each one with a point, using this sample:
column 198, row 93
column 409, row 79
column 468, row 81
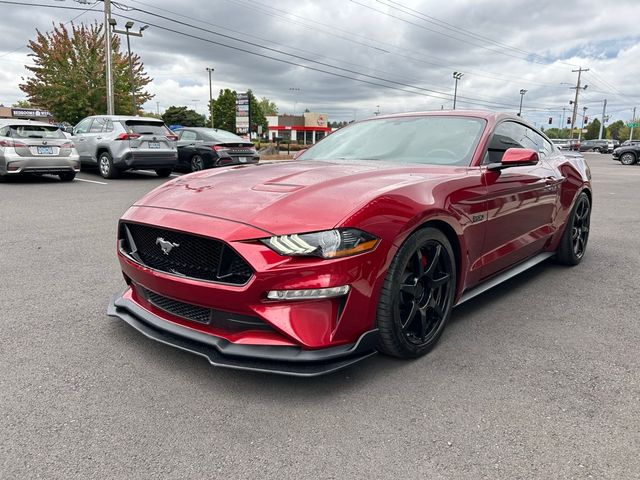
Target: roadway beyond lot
column 539, row 378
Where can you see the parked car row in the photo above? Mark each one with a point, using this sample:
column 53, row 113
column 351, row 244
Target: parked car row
column 114, row 144
column 628, row 153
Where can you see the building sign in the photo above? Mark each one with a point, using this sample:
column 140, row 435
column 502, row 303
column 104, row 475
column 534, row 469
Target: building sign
column 243, row 113
column 29, row 113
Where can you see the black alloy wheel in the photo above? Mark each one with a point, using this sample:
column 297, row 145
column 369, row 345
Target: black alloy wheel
column 417, row 296
column 573, row 244
column 627, row 158
column 197, row 163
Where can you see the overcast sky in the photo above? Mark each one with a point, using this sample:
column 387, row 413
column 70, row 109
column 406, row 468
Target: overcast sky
column 407, row 51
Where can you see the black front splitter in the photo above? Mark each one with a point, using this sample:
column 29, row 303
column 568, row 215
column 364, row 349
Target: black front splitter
column 292, row 361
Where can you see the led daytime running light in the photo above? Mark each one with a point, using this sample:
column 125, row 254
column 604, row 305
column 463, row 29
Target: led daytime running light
column 308, row 294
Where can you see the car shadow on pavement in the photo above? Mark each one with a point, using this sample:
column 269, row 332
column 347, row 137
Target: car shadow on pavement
column 27, row 178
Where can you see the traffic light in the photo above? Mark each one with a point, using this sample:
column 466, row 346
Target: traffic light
column 568, row 121
column 586, row 119
column 550, row 120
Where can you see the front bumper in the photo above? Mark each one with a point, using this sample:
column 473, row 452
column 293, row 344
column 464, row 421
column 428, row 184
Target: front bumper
column 284, row 360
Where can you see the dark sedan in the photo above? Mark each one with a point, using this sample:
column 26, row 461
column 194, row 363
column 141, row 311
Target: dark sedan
column 201, row 148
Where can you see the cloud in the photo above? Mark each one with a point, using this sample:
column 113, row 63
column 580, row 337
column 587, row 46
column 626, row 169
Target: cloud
column 501, row 47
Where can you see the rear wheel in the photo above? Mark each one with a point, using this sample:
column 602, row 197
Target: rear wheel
column 573, row 244
column 67, row 176
column 627, row 158
column 417, row 295
column 597, row 150
column 163, row 172
column 197, row 163
column 106, row 167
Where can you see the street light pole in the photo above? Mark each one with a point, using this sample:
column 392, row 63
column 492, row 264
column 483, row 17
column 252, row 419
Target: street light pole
column 457, row 76
column 210, row 70
column 296, row 91
column 633, row 121
column 128, row 33
column 107, row 48
column 522, row 92
column 604, row 111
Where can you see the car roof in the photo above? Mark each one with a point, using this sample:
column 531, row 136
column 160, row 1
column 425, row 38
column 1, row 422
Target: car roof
column 125, row 118
column 20, row 122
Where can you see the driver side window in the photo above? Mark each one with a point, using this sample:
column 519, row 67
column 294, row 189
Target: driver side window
column 504, row 136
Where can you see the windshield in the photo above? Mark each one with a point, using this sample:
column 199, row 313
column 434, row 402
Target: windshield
column 146, row 128
column 36, row 131
column 222, row 136
column 434, row 140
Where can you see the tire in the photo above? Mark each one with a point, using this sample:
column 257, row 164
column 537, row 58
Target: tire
column 627, row 158
column 196, row 163
column 573, row 244
column 417, row 295
column 106, row 167
column 163, row 172
column 597, row 150
column 67, row 176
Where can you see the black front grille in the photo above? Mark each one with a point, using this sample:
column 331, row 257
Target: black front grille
column 216, row 318
column 183, row 254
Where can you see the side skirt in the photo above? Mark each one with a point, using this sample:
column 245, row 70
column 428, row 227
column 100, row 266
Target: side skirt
column 504, row 276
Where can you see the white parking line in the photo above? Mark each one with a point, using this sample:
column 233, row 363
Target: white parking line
column 89, row 181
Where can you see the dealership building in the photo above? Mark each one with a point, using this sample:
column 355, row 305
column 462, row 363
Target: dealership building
column 305, row 129
column 26, row 114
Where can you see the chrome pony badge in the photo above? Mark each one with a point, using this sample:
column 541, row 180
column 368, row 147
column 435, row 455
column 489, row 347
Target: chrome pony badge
column 166, row 245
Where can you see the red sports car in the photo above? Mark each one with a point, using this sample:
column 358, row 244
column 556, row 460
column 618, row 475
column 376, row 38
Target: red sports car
column 365, row 243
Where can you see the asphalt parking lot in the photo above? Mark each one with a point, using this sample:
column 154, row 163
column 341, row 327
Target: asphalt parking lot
column 539, row 378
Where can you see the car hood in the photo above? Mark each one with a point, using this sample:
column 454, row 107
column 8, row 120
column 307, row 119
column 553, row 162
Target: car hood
column 288, row 197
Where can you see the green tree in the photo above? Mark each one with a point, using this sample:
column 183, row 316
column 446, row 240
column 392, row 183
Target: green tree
column 257, row 115
column 618, row 131
column 183, row 116
column 224, row 110
column 22, row 104
column 68, row 77
column 593, row 130
column 268, row 107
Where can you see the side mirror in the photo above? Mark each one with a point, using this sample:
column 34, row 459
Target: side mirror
column 516, row 157
column 298, row 153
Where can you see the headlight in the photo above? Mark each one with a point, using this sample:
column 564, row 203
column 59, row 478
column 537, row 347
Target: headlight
column 341, row 242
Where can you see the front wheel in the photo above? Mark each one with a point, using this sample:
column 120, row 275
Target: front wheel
column 627, row 158
column 163, row 172
column 573, row 244
column 597, row 150
column 417, row 295
column 197, row 163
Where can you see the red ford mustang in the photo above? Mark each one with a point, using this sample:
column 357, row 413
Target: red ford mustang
column 365, row 243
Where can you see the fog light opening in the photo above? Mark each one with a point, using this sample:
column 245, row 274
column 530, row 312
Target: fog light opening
column 308, row 294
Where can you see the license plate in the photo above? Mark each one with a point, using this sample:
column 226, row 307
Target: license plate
column 45, row 150
column 242, row 159
column 154, row 144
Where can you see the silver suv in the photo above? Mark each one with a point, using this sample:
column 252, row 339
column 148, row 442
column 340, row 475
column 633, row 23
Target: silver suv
column 35, row 147
column 116, row 143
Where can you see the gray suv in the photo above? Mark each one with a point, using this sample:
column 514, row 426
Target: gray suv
column 116, row 143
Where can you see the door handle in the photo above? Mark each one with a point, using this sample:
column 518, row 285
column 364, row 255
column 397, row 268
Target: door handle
column 82, row 139
column 98, row 138
column 553, row 181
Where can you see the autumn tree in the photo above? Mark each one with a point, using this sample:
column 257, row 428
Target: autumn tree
column 182, row 116
column 68, row 77
column 268, row 107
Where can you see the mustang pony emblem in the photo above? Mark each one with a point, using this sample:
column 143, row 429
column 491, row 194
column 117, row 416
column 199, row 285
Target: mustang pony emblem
column 166, row 245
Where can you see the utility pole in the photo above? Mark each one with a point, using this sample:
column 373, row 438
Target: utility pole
column 604, row 111
column 107, row 47
column 575, row 101
column 457, row 76
column 126, row 32
column 210, row 70
column 522, row 92
column 633, row 121
column 158, row 108
column 562, row 121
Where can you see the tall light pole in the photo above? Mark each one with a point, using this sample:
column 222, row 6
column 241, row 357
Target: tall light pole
column 210, row 70
column 575, row 101
column 633, row 121
column 457, row 76
column 295, row 91
column 107, row 48
column 126, row 32
column 522, row 92
column 604, row 116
